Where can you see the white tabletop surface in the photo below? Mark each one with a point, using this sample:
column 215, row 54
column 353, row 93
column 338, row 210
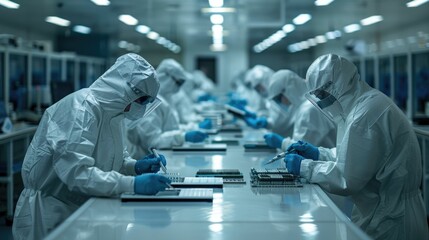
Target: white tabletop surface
column 237, row 211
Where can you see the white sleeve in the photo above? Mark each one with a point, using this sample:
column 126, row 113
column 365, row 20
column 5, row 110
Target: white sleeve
column 73, row 148
column 128, row 166
column 287, row 142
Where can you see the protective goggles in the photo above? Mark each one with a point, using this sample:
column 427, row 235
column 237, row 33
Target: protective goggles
column 149, row 102
column 321, row 97
column 179, row 81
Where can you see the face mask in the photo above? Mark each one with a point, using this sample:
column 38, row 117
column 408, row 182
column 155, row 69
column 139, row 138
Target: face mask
column 334, row 112
column 278, row 100
column 262, row 91
column 136, row 111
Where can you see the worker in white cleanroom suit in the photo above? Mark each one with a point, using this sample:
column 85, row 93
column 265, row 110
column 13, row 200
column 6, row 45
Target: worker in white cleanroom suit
column 377, row 161
column 161, row 129
column 306, row 122
column 77, row 151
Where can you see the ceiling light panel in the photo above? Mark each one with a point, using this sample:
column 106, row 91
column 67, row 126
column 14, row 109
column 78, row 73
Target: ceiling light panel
column 128, row 19
column 9, row 4
column 58, row 21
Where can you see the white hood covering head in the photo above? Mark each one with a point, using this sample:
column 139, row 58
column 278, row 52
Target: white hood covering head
column 259, row 74
column 168, row 71
column 130, row 78
column 289, row 84
column 333, row 68
column 202, row 81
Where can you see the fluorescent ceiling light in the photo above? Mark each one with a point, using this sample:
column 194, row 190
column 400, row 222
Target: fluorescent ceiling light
column 288, row 28
column 101, row 2
column 320, row 39
column 161, row 40
column 143, row 29
column 58, row 21
column 82, row 29
column 303, row 45
column 218, row 48
column 9, row 4
column 351, row 28
column 217, row 28
column 301, row 19
column 217, row 40
column 122, row 44
column 278, row 35
column 166, row 43
column 323, row 2
column 333, row 34
column 311, row 42
column 371, row 20
column 176, row 49
column 153, row 35
column 257, row 49
column 218, row 10
column 294, row 48
column 128, row 19
column 416, row 3
column 216, row 3
column 216, row 19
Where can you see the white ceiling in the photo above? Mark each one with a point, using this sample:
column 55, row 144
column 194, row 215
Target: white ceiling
column 182, row 20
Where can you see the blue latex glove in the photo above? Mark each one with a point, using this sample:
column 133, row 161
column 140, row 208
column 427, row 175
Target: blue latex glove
column 150, row 183
column 238, row 102
column 195, row 136
column 305, row 149
column 249, row 114
column 206, row 124
column 256, row 122
column 273, row 140
column 262, row 122
column 206, row 97
column 149, row 164
column 293, row 163
column 251, row 122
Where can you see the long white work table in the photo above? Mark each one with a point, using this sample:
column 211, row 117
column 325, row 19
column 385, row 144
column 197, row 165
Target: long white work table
column 237, row 212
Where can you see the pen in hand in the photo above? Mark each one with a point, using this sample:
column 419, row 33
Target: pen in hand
column 280, row 156
column 164, row 169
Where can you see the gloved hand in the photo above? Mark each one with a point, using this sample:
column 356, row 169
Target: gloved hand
column 273, row 140
column 238, row 102
column 206, row 97
column 293, row 163
column 256, row 122
column 150, row 183
column 305, row 149
column 195, row 136
column 262, row 122
column 149, row 164
column 249, row 114
column 206, row 124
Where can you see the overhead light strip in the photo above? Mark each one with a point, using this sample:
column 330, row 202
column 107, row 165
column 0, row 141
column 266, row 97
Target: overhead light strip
column 216, row 3
column 9, row 4
column 416, row 3
column 101, row 2
column 323, row 2
column 128, row 19
column 58, row 21
column 301, row 19
column 371, row 20
column 218, row 10
column 82, row 29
